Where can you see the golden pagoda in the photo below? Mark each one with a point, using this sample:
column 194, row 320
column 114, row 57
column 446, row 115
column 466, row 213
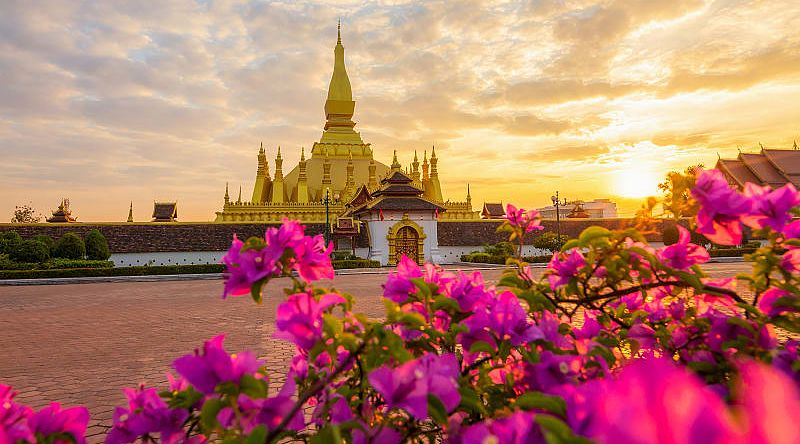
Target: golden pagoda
column 340, row 163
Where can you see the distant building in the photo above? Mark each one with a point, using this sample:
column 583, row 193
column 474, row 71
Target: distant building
column 63, row 214
column 493, row 211
column 595, row 209
column 165, row 211
column 769, row 167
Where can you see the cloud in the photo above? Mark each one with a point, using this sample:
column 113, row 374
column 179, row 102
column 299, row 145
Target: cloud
column 171, row 100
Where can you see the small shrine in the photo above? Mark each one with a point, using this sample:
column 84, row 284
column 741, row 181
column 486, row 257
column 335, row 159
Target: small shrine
column 493, row 211
column 63, row 214
column 399, row 220
column 165, row 211
column 578, row 212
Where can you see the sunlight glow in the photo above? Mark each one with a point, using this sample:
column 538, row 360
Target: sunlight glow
column 636, row 183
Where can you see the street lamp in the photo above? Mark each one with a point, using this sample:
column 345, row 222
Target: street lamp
column 556, row 204
column 327, row 200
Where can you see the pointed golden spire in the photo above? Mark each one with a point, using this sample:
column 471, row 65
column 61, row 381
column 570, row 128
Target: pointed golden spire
column 395, row 164
column 239, row 200
column 302, row 154
column 227, row 196
column 130, row 213
column 339, row 88
column 469, row 197
column 339, row 33
column 795, row 146
column 425, row 176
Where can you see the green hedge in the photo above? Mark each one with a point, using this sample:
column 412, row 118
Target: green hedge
column 105, row 272
column 731, row 252
column 538, row 259
column 56, row 263
column 354, row 263
column 485, row 258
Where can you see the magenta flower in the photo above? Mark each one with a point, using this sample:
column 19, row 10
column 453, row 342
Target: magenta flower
column 314, row 259
column 207, row 370
column 407, row 385
column 378, row 434
column 721, row 208
column 404, row 387
column 517, row 428
column 146, row 414
column 468, row 290
column 299, row 319
column 398, row 285
column 236, row 281
column 791, row 231
column 771, row 403
column 770, row 304
column 653, row 401
column 562, row 271
column 13, row 418
column 790, row 261
column 527, row 220
column 683, row 254
column 505, row 318
column 55, row 420
column 770, row 208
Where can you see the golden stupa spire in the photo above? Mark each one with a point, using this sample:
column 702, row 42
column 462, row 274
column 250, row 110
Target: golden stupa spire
column 227, row 196
column 395, row 164
column 339, row 88
column 339, row 33
column 130, row 213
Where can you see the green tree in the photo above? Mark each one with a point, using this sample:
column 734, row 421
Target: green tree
column 677, row 192
column 47, row 240
column 501, row 249
column 25, row 214
column 549, row 241
column 30, row 251
column 9, row 240
column 97, row 246
column 70, row 246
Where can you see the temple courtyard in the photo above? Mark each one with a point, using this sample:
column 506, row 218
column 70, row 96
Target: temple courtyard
column 82, row 343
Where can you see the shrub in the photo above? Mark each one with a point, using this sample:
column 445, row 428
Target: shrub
column 484, row 258
column 354, row 263
column 549, row 241
column 70, row 246
column 504, row 249
column 30, row 251
column 670, row 235
column 9, row 240
column 47, row 240
column 97, row 246
column 343, row 255
column 110, row 272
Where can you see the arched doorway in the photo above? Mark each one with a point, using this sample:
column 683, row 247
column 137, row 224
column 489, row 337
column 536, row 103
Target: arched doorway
column 406, row 237
column 406, row 242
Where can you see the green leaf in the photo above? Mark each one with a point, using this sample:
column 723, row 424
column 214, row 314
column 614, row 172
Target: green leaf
column 733, row 320
column 258, row 435
column 328, row 434
column 538, row 400
column 255, row 290
column 331, row 324
column 470, row 400
column 442, row 302
column 436, row 409
column 252, row 387
column 557, row 432
column 208, row 415
column 593, row 233
column 482, row 346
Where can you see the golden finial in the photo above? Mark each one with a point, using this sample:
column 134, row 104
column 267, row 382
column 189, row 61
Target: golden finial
column 261, row 150
column 433, row 151
column 415, row 156
column 468, row 196
column 339, row 33
column 227, row 196
column 795, row 146
column 302, row 154
column 130, row 213
column 239, row 200
column 279, row 152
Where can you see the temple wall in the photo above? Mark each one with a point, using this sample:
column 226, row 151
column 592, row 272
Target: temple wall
column 205, row 242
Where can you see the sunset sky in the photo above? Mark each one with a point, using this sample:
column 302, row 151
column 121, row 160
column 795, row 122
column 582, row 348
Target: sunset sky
column 109, row 102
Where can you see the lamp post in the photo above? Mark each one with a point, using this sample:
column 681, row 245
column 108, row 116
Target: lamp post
column 327, row 200
column 556, row 204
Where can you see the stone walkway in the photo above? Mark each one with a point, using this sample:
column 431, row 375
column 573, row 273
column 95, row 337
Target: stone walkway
column 82, row 343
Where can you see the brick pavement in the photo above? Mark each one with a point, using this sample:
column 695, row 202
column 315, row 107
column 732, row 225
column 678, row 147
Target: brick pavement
column 82, row 343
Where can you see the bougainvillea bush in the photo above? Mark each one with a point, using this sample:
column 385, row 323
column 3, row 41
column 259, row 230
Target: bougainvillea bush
column 617, row 342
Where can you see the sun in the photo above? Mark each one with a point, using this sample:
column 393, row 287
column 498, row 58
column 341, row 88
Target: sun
column 636, row 183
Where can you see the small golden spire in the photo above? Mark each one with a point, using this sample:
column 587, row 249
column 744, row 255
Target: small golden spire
column 339, row 33
column 227, row 196
column 130, row 213
column 239, row 200
column 395, row 164
column 302, row 154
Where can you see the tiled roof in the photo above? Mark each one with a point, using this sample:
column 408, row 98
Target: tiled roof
column 165, row 211
column 769, row 167
column 399, row 203
column 493, row 210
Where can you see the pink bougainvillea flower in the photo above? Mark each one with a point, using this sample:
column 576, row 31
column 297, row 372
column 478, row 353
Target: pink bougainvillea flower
column 299, row 319
column 517, row 428
column 721, row 208
column 653, row 401
column 770, row 304
column 791, row 231
column 770, row 208
column 214, row 365
column 790, row 261
column 378, row 434
column 13, row 418
column 236, row 281
column 562, row 271
column 683, row 254
column 146, row 414
column 407, row 385
column 527, row 220
column 468, row 290
column 398, row 285
column 786, row 360
column 53, row 420
column 771, row 403
column 314, row 259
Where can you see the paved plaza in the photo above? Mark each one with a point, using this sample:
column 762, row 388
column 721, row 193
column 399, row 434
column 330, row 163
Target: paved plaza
column 82, row 343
